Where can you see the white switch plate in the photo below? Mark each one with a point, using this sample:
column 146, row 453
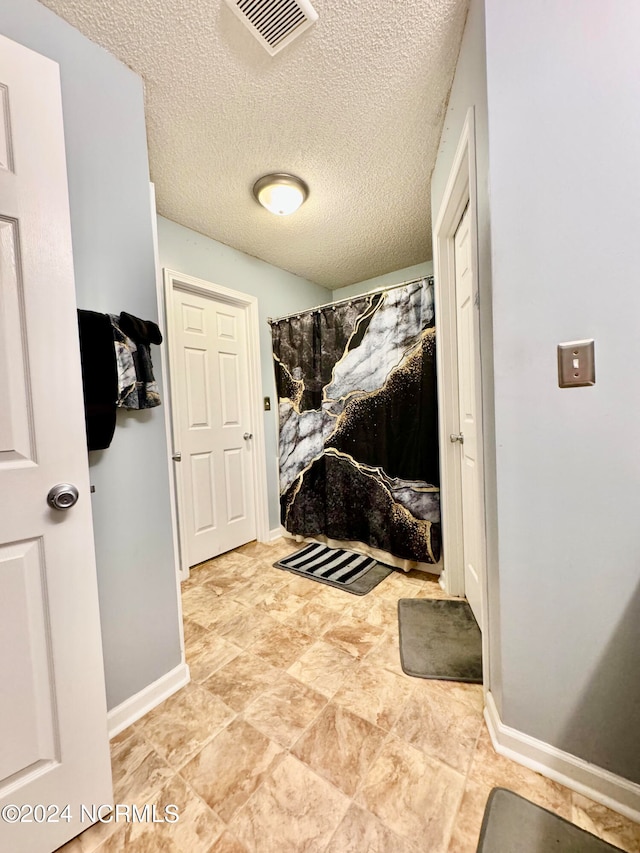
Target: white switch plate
column 576, row 364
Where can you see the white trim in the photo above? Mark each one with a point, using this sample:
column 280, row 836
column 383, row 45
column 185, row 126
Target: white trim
column 277, row 533
column 132, row 709
column 255, row 388
column 249, row 304
column 182, row 570
column 593, row 782
column 460, row 190
column 177, row 498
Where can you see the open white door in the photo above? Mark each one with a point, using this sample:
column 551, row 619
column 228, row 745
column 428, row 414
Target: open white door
column 54, row 745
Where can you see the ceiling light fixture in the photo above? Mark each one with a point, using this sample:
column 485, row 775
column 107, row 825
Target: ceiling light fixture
column 280, row 193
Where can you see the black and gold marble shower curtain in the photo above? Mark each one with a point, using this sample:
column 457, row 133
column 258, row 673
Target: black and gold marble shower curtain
column 358, row 424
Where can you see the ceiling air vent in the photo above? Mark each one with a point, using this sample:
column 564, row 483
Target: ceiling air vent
column 275, row 23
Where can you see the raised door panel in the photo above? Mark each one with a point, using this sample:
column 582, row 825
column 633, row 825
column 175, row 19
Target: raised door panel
column 467, row 397
column 197, row 386
column 16, row 429
column 202, row 490
column 226, row 325
column 6, row 142
column 193, row 319
column 465, row 326
column 230, row 402
column 27, row 708
column 236, row 497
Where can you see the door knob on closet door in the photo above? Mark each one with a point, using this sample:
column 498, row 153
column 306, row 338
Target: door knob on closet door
column 247, row 436
column 456, row 437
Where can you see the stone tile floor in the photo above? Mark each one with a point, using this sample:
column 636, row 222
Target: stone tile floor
column 300, row 732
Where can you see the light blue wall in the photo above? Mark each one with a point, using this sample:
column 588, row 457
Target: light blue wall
column 564, row 133
column 561, row 492
column 111, row 227
column 390, row 278
column 278, row 293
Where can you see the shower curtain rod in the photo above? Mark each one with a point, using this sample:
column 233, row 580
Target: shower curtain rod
column 428, row 278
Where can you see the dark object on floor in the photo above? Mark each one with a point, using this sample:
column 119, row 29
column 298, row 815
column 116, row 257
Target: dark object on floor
column 99, row 377
column 342, row 569
column 512, row 824
column 439, row 639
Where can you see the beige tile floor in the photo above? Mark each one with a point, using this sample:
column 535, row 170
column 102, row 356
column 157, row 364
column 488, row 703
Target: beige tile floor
column 300, row 732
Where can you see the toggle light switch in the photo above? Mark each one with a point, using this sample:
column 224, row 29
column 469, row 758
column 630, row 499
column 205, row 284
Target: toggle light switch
column 576, row 364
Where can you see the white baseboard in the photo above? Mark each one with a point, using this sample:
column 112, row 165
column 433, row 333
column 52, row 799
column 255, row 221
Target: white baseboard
column 593, row 782
column 276, row 533
column 131, row 710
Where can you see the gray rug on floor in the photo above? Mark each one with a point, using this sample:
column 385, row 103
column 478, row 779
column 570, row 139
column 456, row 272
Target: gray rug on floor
column 439, row 639
column 512, row 824
column 336, row 567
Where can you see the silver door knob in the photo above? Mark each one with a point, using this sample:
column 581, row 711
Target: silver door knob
column 62, row 496
column 177, row 456
column 247, row 436
column 456, row 437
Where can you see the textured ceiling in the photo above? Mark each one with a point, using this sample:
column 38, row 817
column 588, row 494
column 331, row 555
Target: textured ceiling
column 354, row 106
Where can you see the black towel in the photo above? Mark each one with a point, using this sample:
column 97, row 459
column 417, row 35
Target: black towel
column 141, row 331
column 99, row 377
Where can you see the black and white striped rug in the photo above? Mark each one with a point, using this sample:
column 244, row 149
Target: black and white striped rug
column 346, row 570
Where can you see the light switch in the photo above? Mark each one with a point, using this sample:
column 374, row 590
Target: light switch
column 267, row 404
column 576, row 364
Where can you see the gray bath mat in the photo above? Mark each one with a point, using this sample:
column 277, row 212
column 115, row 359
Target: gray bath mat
column 439, row 639
column 512, row 824
column 336, row 567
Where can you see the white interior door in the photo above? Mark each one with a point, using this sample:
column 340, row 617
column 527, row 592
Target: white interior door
column 53, row 724
column 212, row 417
column 468, row 418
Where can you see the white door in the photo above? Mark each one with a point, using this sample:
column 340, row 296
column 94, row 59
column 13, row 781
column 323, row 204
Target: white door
column 468, row 418
column 53, row 725
column 212, row 424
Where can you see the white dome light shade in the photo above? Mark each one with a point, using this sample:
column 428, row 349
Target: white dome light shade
column 280, row 193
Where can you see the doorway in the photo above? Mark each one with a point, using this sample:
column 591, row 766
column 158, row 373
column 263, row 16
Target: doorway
column 217, row 430
column 459, row 384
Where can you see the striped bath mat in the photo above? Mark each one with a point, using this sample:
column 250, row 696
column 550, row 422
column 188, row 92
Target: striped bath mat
column 346, row 570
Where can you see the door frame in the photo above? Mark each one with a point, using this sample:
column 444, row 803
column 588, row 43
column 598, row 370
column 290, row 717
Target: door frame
column 249, row 304
column 460, row 191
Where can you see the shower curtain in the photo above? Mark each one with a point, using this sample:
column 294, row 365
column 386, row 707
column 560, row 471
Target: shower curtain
column 358, row 436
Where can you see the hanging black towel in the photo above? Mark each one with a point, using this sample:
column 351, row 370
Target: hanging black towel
column 99, row 377
column 140, row 331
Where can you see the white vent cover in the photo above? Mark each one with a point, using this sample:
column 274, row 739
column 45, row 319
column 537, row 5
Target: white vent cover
column 275, row 23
